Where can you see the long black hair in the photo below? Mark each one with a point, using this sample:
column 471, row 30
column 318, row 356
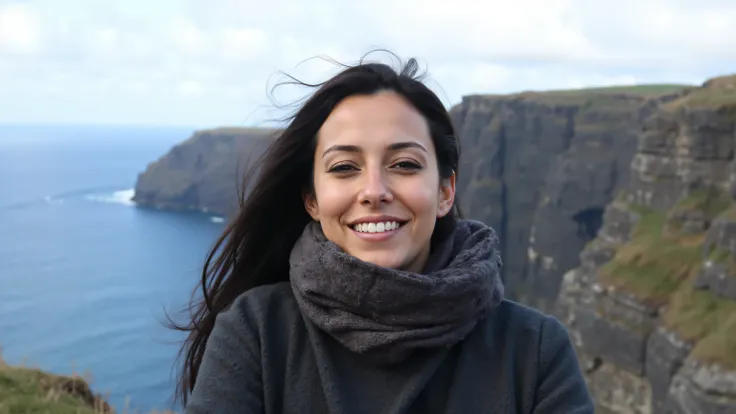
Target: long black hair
column 254, row 248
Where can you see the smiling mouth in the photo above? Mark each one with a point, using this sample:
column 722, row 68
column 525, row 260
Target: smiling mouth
column 377, row 227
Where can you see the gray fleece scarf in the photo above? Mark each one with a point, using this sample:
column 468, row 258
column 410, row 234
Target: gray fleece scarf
column 386, row 313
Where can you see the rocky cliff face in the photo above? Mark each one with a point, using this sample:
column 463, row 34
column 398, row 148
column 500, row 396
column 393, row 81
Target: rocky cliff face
column 541, row 167
column 203, row 173
column 652, row 306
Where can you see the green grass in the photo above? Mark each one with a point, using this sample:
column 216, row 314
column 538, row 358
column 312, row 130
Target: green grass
column 642, row 90
column 659, row 267
column 27, row 390
column 598, row 97
column 702, row 318
column 720, row 256
column 708, row 98
column 710, row 201
column 652, row 89
column 652, row 266
column 717, row 93
column 729, row 213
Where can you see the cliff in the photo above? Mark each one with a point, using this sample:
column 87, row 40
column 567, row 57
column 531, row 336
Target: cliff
column 30, row 391
column 203, row 173
column 27, row 390
column 652, row 306
column 541, row 168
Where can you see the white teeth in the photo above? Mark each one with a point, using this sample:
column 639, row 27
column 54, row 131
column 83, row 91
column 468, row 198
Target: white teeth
column 376, row 227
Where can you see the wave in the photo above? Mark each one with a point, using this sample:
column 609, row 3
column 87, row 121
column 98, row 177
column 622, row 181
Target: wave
column 124, row 197
column 100, row 194
column 217, row 219
column 83, row 192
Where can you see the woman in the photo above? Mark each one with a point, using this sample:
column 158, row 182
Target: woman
column 349, row 283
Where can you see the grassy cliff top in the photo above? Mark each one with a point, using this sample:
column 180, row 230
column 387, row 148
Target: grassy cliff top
column 26, row 390
column 640, row 90
column 226, row 132
column 717, row 92
column 659, row 265
column 578, row 96
column 29, row 390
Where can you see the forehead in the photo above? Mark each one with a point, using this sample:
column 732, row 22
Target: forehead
column 374, row 120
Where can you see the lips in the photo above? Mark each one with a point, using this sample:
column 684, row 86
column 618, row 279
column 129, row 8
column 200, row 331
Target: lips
column 383, row 224
column 379, row 227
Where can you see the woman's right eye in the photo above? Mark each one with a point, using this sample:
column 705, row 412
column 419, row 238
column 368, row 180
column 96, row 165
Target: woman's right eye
column 342, row 168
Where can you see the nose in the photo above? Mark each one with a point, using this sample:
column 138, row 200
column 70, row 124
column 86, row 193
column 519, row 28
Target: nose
column 375, row 189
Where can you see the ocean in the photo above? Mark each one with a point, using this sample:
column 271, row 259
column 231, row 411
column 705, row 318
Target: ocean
column 86, row 276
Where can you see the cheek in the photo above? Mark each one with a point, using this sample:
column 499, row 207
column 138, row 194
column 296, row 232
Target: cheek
column 333, row 200
column 422, row 200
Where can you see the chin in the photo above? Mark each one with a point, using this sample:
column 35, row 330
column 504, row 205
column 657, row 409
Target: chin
column 387, row 259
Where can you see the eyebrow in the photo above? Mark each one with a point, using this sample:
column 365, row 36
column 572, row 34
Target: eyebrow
column 393, row 147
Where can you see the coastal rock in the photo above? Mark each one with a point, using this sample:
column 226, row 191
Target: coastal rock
column 665, row 354
column 204, row 173
column 651, row 308
column 701, row 388
column 617, row 390
column 718, row 278
column 541, row 167
column 718, row 273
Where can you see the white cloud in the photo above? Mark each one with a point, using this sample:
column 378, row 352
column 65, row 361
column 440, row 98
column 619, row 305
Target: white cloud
column 19, row 30
column 180, row 61
column 142, row 88
column 191, row 88
column 186, row 36
column 242, row 44
column 105, row 43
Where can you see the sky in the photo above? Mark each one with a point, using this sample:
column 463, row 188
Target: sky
column 209, row 63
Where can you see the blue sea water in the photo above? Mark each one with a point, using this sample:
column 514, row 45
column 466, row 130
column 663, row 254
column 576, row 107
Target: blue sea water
column 86, row 276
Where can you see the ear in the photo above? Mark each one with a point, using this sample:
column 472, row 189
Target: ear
column 446, row 196
column 310, row 204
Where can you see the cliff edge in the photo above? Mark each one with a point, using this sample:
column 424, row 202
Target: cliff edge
column 28, row 390
column 652, row 306
column 203, row 173
column 31, row 391
column 540, row 167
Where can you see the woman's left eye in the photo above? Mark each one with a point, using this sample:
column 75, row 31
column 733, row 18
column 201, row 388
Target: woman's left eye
column 407, row 165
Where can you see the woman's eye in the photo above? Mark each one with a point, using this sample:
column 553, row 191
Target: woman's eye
column 408, row 165
column 342, row 168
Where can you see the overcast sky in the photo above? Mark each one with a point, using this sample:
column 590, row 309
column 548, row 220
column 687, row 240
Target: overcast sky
column 211, row 62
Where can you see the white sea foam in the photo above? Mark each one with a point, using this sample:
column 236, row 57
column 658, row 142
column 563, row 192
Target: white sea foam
column 217, row 219
column 52, row 200
column 118, row 197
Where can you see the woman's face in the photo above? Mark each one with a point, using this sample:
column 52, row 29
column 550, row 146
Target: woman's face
column 377, row 189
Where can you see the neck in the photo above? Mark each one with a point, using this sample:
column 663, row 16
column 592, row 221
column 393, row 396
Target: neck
column 419, row 263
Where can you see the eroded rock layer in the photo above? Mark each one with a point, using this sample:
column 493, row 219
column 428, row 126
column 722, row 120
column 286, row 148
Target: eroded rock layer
column 651, row 307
